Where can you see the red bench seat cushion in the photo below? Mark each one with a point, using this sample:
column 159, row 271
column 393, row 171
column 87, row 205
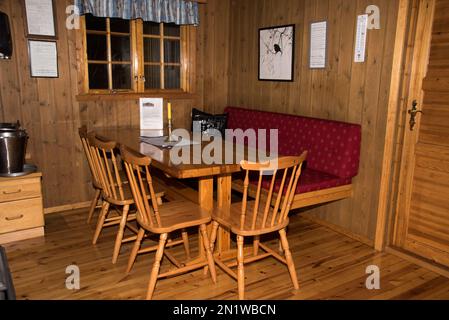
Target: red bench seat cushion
column 310, row 180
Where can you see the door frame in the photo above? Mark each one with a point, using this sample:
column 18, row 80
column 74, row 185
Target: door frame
column 410, row 61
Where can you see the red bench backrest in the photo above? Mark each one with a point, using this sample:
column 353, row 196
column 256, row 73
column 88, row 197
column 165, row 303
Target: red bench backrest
column 334, row 147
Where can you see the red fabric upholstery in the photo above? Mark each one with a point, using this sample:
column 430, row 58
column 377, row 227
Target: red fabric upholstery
column 333, row 147
column 310, row 180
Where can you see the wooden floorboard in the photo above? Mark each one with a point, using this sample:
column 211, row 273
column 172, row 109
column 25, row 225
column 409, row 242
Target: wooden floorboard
column 329, row 266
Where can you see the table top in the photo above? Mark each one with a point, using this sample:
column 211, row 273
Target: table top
column 162, row 159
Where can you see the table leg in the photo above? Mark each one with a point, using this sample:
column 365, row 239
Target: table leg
column 206, row 201
column 224, row 190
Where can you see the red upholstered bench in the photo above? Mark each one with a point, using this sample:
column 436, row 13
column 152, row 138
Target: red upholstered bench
column 333, row 152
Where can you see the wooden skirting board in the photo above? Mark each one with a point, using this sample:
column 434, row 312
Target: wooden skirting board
column 435, row 267
column 21, row 235
column 67, row 207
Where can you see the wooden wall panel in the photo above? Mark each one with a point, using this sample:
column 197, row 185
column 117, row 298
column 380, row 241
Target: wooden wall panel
column 343, row 91
column 51, row 113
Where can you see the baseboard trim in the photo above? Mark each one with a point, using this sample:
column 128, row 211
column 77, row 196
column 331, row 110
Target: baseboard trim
column 67, row 207
column 21, row 235
column 422, row 262
column 338, row 229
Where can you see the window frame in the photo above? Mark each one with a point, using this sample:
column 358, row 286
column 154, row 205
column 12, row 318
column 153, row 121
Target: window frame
column 137, row 60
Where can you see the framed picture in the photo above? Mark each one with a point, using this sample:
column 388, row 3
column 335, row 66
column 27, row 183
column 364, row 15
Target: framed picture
column 276, row 53
column 43, row 58
column 40, row 20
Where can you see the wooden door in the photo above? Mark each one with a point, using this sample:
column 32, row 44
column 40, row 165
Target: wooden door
column 422, row 222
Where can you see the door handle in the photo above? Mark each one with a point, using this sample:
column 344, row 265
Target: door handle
column 413, row 112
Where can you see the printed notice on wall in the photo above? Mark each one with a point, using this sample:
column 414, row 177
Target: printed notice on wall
column 151, row 117
column 360, row 40
column 40, row 20
column 318, row 33
column 43, row 59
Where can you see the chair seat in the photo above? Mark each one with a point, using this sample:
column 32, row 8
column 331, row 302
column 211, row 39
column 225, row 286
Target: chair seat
column 176, row 215
column 128, row 196
column 231, row 219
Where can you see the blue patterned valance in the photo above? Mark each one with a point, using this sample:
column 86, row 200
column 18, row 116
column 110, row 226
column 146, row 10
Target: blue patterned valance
column 169, row 11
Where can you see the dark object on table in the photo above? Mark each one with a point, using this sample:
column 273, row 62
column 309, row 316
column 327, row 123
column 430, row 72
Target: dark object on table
column 7, row 291
column 206, row 122
column 13, row 143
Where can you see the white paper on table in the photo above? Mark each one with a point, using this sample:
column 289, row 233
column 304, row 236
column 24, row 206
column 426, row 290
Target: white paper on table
column 151, row 151
column 151, row 113
column 43, row 58
column 360, row 40
column 161, row 142
column 318, row 38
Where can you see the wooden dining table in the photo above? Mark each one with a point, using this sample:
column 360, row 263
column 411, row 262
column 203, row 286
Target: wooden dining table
column 205, row 173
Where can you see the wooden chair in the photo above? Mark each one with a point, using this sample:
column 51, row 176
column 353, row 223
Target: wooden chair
column 163, row 219
column 95, row 181
column 258, row 217
column 115, row 192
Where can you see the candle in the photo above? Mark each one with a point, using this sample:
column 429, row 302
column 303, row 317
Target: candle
column 169, row 111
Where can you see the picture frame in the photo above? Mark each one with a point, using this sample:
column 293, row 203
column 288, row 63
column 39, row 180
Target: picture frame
column 277, row 53
column 40, row 19
column 43, row 55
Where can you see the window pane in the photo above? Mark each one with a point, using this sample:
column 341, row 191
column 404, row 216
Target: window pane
column 172, row 30
column 152, row 77
column 151, row 28
column 96, row 47
column 120, row 48
column 172, row 77
column 98, row 76
column 119, row 25
column 172, row 51
column 95, row 23
column 152, row 50
column 121, row 76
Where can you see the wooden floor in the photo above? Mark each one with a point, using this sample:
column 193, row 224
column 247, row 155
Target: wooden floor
column 330, row 266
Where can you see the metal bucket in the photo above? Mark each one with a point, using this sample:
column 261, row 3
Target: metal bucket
column 13, row 143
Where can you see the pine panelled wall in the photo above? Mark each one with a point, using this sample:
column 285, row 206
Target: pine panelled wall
column 346, row 91
column 226, row 69
column 50, row 111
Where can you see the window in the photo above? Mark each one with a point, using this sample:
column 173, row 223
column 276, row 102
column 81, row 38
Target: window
column 132, row 56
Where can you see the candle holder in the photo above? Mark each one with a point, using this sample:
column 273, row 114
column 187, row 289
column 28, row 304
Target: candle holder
column 170, row 137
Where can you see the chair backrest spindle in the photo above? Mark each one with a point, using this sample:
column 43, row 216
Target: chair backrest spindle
column 265, row 213
column 139, row 176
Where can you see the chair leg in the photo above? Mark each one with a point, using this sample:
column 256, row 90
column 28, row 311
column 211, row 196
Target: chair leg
column 210, row 257
column 280, row 246
column 213, row 238
column 156, row 265
column 136, row 247
column 121, row 231
column 256, row 245
column 101, row 218
column 185, row 239
column 288, row 257
column 240, row 270
column 93, row 205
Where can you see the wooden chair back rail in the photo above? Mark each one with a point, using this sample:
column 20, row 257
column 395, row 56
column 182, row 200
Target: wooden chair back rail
column 106, row 163
column 84, row 136
column 287, row 167
column 135, row 166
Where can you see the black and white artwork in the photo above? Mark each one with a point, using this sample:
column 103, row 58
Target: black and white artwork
column 276, row 53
